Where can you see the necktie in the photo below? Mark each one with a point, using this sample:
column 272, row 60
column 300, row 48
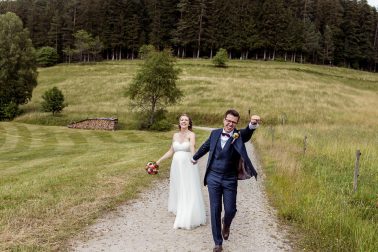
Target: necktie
column 226, row 134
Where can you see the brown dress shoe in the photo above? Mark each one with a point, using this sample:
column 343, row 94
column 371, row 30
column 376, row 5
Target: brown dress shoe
column 225, row 230
column 218, row 248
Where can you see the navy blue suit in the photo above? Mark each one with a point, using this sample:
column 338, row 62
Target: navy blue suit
column 224, row 168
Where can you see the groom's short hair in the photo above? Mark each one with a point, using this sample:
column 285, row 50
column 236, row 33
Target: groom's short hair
column 232, row 112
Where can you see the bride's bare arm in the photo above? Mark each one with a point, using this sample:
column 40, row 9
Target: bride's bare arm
column 168, row 154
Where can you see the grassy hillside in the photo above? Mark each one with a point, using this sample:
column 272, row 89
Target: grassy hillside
column 54, row 180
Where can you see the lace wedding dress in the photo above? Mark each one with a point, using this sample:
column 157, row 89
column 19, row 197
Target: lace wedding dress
column 185, row 196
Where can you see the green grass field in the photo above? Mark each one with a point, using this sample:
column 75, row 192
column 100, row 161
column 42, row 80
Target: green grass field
column 55, row 180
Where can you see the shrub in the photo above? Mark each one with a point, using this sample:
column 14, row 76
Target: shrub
column 47, row 56
column 9, row 111
column 161, row 123
column 53, row 101
column 146, row 50
column 220, row 58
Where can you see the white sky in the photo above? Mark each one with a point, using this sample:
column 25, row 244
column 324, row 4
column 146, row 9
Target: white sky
column 373, row 3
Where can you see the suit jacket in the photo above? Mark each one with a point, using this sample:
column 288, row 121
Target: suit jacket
column 245, row 167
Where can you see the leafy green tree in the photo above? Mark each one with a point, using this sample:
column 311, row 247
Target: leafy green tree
column 220, row 59
column 18, row 73
column 82, row 43
column 53, row 101
column 47, row 56
column 86, row 45
column 154, row 86
column 145, row 51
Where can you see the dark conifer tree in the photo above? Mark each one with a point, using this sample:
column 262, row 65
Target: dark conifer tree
column 349, row 53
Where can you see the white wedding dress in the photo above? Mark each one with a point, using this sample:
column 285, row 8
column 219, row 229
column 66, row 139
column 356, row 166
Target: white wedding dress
column 185, row 196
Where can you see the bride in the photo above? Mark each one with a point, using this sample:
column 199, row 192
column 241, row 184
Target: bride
column 185, row 196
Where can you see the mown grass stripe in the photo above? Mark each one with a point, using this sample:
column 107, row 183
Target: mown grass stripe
column 2, row 136
column 11, row 138
column 25, row 137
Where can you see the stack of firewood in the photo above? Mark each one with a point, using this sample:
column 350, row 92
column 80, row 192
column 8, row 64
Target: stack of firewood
column 96, row 124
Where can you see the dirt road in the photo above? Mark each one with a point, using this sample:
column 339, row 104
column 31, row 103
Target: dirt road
column 145, row 224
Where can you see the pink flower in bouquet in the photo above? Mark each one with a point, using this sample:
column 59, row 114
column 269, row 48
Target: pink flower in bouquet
column 152, row 168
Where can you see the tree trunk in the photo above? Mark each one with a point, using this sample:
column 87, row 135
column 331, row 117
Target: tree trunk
column 153, row 110
column 200, row 30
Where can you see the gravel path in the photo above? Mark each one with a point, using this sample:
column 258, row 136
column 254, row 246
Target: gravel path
column 145, row 224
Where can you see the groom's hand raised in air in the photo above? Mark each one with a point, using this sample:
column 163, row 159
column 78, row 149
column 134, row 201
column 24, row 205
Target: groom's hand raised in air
column 255, row 119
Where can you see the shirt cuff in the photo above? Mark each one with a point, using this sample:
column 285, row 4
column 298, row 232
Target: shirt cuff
column 253, row 126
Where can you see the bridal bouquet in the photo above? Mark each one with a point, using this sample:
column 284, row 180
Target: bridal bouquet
column 152, row 168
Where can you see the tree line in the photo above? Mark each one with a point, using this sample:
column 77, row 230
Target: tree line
column 332, row 32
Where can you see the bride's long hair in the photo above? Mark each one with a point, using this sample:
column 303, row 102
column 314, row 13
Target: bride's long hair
column 190, row 122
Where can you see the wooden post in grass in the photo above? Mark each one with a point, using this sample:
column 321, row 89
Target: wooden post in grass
column 249, row 114
column 283, row 118
column 356, row 170
column 304, row 145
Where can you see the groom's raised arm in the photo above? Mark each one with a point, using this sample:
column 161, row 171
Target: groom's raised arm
column 246, row 133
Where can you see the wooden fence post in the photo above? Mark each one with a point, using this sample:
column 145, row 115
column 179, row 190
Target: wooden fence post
column 283, row 118
column 356, row 170
column 304, row 145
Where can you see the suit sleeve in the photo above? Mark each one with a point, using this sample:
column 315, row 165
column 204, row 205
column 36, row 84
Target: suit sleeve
column 205, row 147
column 246, row 134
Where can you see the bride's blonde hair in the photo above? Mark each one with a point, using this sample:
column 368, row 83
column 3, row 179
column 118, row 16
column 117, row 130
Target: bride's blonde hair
column 190, row 122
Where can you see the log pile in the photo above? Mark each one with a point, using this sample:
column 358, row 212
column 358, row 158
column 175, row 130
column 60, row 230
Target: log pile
column 95, row 124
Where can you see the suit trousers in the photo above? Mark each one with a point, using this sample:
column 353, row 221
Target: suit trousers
column 221, row 186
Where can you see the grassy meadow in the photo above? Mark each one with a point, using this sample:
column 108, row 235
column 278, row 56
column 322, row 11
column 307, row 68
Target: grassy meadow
column 55, row 180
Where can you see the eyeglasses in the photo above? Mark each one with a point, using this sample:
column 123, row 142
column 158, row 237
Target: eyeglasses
column 229, row 121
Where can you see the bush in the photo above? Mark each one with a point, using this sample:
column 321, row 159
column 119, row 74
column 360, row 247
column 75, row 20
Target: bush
column 146, row 50
column 9, row 111
column 47, row 56
column 220, row 58
column 160, row 124
column 53, row 101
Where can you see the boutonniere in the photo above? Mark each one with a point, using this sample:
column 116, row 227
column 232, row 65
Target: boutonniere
column 235, row 136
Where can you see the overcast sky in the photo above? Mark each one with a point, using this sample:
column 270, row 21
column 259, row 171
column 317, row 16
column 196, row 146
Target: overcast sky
column 373, row 2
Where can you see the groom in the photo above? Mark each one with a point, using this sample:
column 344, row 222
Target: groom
column 228, row 161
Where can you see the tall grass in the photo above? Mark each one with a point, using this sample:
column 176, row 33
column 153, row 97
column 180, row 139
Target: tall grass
column 48, row 173
column 315, row 189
